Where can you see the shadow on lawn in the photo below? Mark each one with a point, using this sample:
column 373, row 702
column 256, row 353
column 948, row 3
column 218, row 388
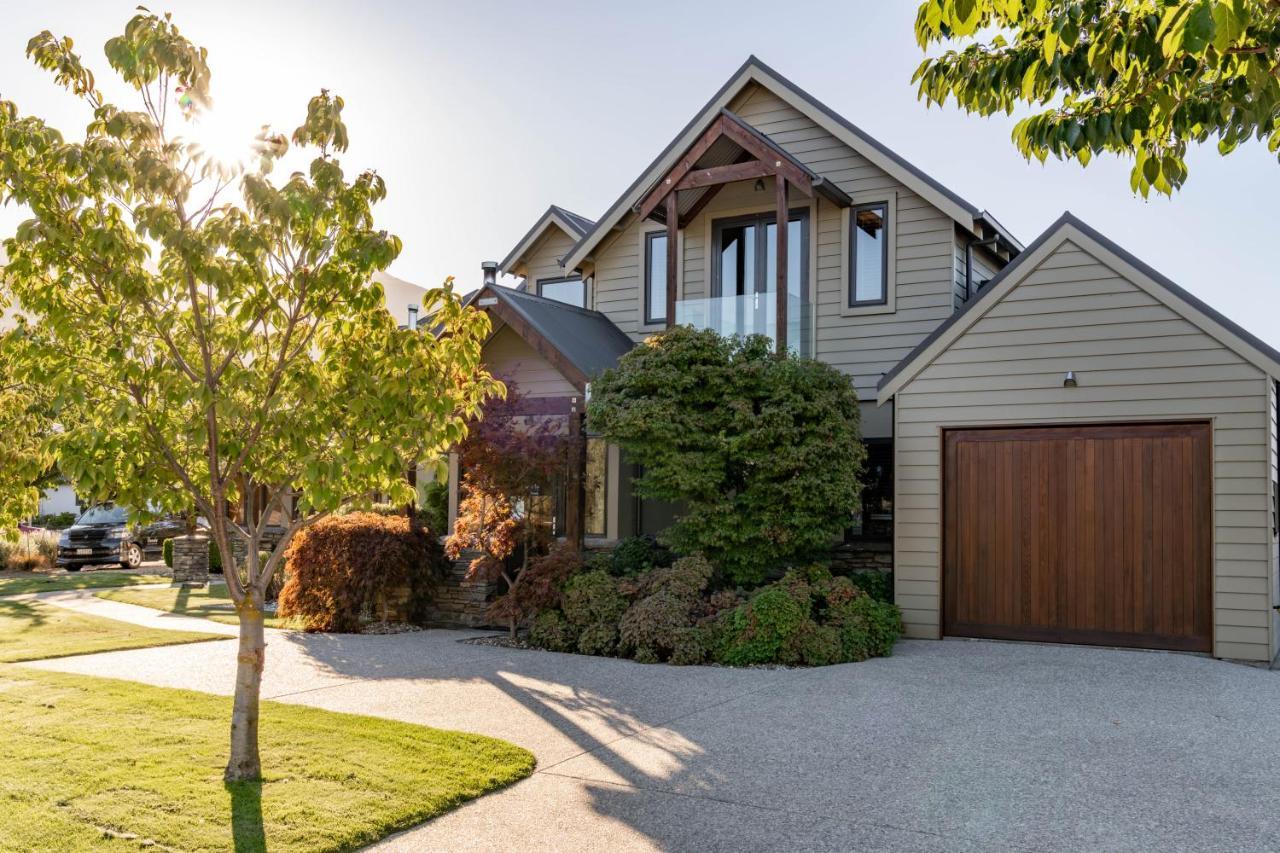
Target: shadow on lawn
column 246, row 816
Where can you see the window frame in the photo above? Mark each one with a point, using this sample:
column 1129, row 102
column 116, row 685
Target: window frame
column 648, row 315
column 851, row 297
column 603, row 532
column 564, row 279
column 762, row 220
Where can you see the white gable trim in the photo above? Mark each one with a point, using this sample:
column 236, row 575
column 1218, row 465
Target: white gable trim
column 754, row 71
column 1070, row 229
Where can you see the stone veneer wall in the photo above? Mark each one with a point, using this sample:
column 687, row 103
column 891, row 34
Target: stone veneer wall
column 863, row 556
column 191, row 560
column 459, row 602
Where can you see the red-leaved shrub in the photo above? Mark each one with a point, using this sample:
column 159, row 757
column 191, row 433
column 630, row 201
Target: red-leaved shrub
column 346, row 568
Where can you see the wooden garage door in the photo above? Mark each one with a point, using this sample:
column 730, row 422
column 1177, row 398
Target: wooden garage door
column 1089, row 534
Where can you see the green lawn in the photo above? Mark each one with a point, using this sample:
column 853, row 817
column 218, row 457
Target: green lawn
column 83, row 580
column 93, row 764
column 30, row 630
column 211, row 602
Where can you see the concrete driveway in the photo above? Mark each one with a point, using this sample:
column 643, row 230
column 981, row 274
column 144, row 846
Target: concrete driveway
column 946, row 746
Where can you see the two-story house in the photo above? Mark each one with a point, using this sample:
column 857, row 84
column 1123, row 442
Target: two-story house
column 1064, row 445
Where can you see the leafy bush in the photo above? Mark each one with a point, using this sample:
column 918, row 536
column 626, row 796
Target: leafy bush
column 877, row 584
column 166, row 552
column 636, row 555
column 346, row 566
column 759, row 630
column 763, row 452
column 538, row 586
column 553, row 632
column 593, row 604
column 808, row 617
column 55, row 521
column 435, row 506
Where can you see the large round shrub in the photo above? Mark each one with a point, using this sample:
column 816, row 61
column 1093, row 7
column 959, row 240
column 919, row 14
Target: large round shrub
column 345, row 567
column 759, row 630
column 762, row 452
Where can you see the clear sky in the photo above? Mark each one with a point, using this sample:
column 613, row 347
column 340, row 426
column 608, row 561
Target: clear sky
column 479, row 114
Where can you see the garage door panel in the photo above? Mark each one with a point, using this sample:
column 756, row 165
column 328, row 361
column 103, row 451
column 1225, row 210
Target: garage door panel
column 1097, row 534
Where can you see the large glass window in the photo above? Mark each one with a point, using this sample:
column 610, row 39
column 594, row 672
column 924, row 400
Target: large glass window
column 746, row 259
column 594, row 487
column 571, row 291
column 869, row 255
column 655, row 278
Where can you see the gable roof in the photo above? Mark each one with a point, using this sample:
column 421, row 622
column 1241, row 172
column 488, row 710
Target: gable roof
column 578, row 342
column 1070, row 228
column 755, row 71
column 573, row 224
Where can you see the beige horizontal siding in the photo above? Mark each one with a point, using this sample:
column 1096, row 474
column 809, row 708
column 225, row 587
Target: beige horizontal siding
column 507, row 355
column 543, row 260
column 1135, row 360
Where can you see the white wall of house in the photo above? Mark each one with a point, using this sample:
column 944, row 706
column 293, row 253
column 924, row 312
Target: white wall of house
column 59, row 499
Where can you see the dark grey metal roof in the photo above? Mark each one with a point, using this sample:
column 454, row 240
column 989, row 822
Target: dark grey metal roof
column 1110, row 245
column 581, row 223
column 588, row 339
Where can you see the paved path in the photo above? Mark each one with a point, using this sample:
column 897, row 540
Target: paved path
column 84, row 601
column 945, row 746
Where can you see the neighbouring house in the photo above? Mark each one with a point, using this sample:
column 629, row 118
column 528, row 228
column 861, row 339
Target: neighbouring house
column 1064, row 445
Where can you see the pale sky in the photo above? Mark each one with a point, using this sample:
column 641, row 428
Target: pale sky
column 480, row 114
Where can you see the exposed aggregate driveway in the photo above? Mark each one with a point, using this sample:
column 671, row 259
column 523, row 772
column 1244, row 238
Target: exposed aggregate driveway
column 952, row 745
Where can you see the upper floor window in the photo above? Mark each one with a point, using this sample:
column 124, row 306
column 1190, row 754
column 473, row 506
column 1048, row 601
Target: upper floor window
column 869, row 254
column 568, row 290
column 655, row 278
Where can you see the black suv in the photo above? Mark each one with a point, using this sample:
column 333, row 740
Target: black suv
column 102, row 535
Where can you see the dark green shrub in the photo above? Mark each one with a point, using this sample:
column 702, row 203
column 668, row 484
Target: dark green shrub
column 593, row 604
column 592, row 597
column 813, row 645
column 347, row 566
column 55, row 521
column 435, row 507
column 868, row 628
column 878, row 585
column 638, row 554
column 687, row 578
column 599, row 638
column 759, row 629
column 166, row 552
column 763, row 453
column 551, row 631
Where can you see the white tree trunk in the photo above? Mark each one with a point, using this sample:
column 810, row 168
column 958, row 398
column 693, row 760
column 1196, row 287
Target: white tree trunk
column 245, row 763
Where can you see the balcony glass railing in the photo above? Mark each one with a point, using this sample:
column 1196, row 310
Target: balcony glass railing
column 750, row 314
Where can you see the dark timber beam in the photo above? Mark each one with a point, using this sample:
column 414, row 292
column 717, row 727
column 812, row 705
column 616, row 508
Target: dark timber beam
column 725, row 174
column 673, row 255
column 783, row 219
column 682, row 168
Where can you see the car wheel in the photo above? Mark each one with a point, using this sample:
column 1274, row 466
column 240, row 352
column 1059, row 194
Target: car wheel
column 132, row 556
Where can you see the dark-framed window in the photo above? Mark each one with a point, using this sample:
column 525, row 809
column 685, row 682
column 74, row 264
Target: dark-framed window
column 875, row 522
column 869, row 254
column 570, row 290
column 655, row 278
column 744, row 259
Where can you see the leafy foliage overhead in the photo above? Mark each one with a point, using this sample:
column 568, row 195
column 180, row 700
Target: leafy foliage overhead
column 761, row 453
column 1140, row 78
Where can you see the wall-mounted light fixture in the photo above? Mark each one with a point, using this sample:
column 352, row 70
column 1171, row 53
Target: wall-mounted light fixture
column 759, row 185
column 1069, row 381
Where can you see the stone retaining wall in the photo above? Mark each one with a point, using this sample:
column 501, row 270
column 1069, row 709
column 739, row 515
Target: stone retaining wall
column 459, row 602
